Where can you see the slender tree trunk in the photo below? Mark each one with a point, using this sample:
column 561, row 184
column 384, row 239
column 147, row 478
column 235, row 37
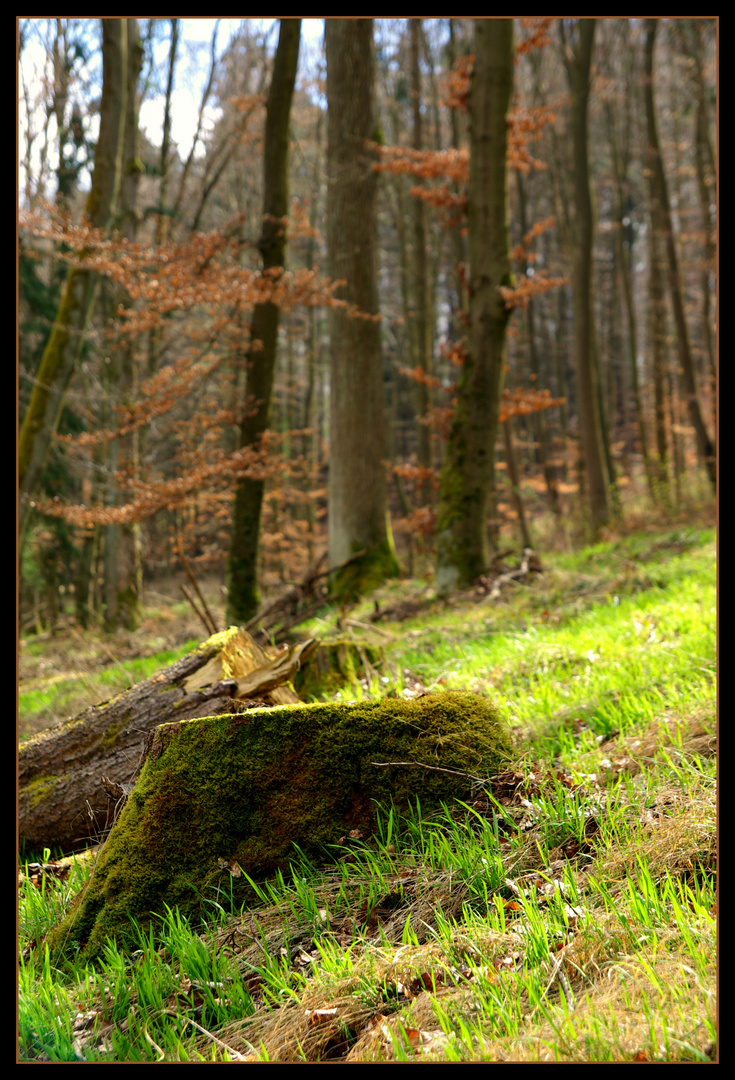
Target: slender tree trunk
column 658, row 351
column 578, row 62
column 64, row 347
column 704, row 157
column 123, row 553
column 468, row 474
column 538, row 424
column 162, row 224
column 357, row 485
column 457, row 239
column 243, row 597
column 420, row 321
column 396, row 183
column 625, row 258
column 663, row 224
column 515, row 483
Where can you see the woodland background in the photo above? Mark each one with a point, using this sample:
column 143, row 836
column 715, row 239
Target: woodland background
column 146, row 441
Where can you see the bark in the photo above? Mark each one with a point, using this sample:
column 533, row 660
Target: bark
column 663, row 224
column 65, row 344
column 657, row 309
column 421, row 336
column 122, row 543
column 538, row 424
column 62, row 800
column 357, row 484
column 578, row 62
column 468, row 474
column 457, row 240
column 515, row 484
column 395, row 402
column 162, row 222
column 619, row 135
column 690, row 32
column 243, row 598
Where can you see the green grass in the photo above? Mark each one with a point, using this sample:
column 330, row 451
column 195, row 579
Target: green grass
column 46, row 700
column 566, row 912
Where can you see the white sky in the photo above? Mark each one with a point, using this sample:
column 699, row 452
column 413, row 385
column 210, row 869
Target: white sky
column 187, row 92
column 188, row 81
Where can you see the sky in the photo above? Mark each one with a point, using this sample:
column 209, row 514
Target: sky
column 187, row 94
column 188, row 81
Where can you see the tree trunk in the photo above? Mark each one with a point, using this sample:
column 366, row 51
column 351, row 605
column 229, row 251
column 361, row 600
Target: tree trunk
column 537, row 421
column 66, row 341
column 63, row 801
column 663, row 224
column 357, row 485
column 619, row 135
column 421, row 336
column 123, row 552
column 690, row 35
column 578, row 61
column 515, row 483
column 657, row 337
column 468, row 474
column 243, row 597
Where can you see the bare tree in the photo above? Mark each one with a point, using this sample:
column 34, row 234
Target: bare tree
column 468, row 474
column 243, row 598
column 63, row 349
column 662, row 223
column 577, row 46
column 357, row 486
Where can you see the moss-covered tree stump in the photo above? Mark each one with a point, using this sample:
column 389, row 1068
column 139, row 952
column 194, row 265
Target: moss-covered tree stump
column 240, row 790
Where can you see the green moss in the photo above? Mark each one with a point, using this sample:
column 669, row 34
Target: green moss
column 247, row 787
column 114, row 730
column 334, row 665
column 39, row 789
column 364, row 575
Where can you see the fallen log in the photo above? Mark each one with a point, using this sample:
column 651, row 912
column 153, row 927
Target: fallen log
column 530, row 564
column 64, row 801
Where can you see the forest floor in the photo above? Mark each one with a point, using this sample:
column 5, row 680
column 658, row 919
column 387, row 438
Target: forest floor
column 568, row 913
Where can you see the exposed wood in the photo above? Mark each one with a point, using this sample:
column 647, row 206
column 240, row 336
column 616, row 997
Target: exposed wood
column 63, row 800
column 530, row 564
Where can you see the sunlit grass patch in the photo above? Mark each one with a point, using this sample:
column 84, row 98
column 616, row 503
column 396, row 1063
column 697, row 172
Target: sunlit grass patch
column 565, row 912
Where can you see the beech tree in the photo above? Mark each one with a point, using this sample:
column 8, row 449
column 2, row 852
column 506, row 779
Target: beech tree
column 578, row 45
column 467, row 478
column 663, row 225
column 169, row 368
column 122, row 543
column 66, row 341
column 243, row 597
column 358, row 518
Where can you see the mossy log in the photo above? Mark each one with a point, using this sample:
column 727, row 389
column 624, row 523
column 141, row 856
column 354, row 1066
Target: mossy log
column 229, row 794
column 63, row 800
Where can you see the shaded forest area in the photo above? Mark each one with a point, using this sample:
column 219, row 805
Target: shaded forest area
column 429, row 289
